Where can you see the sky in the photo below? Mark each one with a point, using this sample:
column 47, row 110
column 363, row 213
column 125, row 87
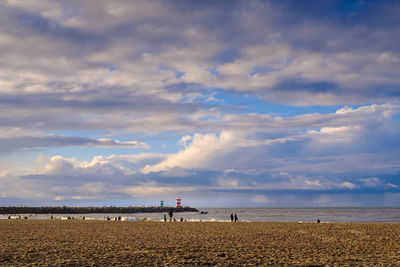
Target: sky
column 222, row 103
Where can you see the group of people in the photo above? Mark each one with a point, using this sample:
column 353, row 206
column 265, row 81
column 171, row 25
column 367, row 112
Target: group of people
column 234, row 217
column 171, row 217
column 170, row 214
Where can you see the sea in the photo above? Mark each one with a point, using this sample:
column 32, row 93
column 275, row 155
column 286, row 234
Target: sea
column 300, row 215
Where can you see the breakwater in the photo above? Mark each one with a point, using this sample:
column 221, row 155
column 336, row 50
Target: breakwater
column 85, row 210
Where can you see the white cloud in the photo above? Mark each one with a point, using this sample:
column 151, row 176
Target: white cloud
column 102, row 165
column 315, row 183
column 348, row 185
column 390, row 185
column 183, row 141
column 202, row 151
column 58, row 164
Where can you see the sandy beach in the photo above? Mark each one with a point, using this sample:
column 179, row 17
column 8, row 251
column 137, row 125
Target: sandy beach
column 47, row 242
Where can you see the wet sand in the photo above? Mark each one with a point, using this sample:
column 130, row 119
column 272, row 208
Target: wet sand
column 47, row 242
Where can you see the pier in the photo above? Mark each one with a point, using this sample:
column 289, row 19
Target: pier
column 86, row 210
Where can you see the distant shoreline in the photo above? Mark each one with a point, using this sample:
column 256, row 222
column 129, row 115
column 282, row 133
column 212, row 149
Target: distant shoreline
column 88, row 210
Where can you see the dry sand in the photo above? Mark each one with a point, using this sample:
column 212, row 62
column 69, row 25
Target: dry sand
column 46, row 242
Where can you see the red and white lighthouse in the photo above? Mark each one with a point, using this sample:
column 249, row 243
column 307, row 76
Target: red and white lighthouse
column 178, row 202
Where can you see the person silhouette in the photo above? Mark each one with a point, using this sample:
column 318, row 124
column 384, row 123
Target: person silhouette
column 231, row 217
column 236, row 218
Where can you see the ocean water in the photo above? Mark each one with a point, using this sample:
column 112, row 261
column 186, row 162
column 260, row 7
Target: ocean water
column 361, row 215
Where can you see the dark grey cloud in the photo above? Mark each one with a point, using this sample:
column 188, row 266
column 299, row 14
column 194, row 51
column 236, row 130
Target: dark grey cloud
column 94, row 101
column 326, row 28
column 12, row 144
column 353, row 25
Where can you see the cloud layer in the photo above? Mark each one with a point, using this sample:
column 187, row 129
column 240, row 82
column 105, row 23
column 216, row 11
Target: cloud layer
column 259, row 101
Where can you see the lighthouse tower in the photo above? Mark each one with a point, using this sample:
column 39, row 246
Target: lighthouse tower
column 178, row 202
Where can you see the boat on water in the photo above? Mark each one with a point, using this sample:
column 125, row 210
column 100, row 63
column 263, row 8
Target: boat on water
column 203, row 212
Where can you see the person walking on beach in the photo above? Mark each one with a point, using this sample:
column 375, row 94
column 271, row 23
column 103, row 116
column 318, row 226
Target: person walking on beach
column 165, row 218
column 236, row 218
column 170, row 213
column 231, row 217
